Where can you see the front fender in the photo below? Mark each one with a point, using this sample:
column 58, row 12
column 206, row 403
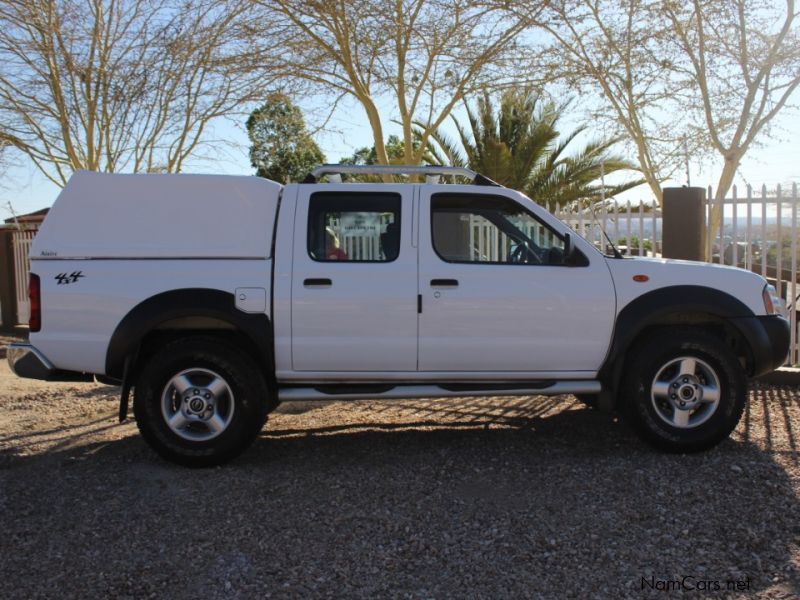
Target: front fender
column 663, row 306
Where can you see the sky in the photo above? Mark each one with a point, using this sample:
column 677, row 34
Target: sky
column 774, row 161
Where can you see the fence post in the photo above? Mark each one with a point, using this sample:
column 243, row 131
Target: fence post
column 683, row 223
column 8, row 299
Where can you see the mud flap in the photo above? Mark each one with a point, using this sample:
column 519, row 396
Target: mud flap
column 124, row 397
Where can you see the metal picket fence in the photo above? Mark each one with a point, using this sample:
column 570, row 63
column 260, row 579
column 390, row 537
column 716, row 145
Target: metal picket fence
column 633, row 227
column 21, row 242
column 363, row 243
column 758, row 231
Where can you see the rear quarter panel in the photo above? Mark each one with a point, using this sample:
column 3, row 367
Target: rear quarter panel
column 79, row 317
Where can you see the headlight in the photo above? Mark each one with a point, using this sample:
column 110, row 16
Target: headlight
column 772, row 303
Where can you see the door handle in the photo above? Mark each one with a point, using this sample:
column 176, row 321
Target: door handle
column 317, row 282
column 444, row 282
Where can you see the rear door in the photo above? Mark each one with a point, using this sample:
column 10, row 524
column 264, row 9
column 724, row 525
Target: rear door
column 354, row 279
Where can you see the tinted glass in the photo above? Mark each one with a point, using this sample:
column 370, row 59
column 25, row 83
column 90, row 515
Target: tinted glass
column 491, row 229
column 354, row 226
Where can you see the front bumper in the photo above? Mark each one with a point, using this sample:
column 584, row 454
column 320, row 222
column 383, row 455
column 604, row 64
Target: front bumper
column 768, row 338
column 26, row 361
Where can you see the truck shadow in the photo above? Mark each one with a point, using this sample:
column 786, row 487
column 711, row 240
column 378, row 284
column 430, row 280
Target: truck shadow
column 558, row 483
column 468, row 491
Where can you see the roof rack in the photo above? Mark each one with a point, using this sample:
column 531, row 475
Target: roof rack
column 432, row 173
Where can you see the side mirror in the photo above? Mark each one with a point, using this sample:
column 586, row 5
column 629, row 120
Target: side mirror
column 570, row 256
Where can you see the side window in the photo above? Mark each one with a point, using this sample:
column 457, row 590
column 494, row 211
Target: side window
column 354, row 226
column 491, row 229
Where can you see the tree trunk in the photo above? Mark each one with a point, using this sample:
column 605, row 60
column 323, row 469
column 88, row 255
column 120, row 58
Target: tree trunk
column 724, row 183
column 377, row 129
column 644, row 164
column 408, row 141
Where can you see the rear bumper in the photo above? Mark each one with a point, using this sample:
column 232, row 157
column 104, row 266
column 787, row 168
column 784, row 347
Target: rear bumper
column 26, row 361
column 768, row 338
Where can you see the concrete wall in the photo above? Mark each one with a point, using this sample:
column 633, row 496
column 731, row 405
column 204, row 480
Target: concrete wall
column 683, row 225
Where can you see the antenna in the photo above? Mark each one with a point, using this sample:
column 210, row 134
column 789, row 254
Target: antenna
column 686, row 160
column 603, row 181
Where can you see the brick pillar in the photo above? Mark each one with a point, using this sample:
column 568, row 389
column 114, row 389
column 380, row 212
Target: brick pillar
column 683, row 223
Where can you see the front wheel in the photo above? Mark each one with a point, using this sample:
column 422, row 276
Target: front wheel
column 684, row 390
column 200, row 401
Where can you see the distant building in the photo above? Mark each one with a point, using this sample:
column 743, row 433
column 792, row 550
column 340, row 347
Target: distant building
column 26, row 221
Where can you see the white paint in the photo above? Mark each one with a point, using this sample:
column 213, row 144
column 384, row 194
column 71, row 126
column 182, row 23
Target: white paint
column 512, row 317
column 502, row 323
column 366, row 320
column 79, row 318
column 743, row 285
column 99, row 215
column 251, row 300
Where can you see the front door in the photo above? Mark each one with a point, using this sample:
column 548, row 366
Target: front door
column 496, row 293
column 354, row 282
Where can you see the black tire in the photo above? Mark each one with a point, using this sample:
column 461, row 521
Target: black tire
column 246, row 400
column 702, row 424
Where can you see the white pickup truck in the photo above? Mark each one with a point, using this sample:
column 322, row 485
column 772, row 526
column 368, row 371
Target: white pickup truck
column 214, row 298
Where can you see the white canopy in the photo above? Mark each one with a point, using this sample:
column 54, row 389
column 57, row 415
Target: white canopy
column 100, row 215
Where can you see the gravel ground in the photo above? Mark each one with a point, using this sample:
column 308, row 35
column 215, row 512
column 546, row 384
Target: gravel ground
column 470, row 498
column 5, row 339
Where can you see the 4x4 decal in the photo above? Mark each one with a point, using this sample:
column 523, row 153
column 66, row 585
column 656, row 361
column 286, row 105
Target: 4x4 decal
column 63, row 278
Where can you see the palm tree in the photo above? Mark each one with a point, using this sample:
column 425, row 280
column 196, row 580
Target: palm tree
column 519, row 147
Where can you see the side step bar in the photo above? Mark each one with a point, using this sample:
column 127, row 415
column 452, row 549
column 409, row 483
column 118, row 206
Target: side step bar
column 352, row 392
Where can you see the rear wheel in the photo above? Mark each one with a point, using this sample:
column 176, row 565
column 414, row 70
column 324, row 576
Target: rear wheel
column 200, row 401
column 684, row 390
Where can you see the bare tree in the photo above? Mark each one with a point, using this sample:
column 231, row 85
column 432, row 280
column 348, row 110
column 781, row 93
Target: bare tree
column 113, row 85
column 678, row 76
column 4, row 161
column 742, row 58
column 426, row 55
column 614, row 49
